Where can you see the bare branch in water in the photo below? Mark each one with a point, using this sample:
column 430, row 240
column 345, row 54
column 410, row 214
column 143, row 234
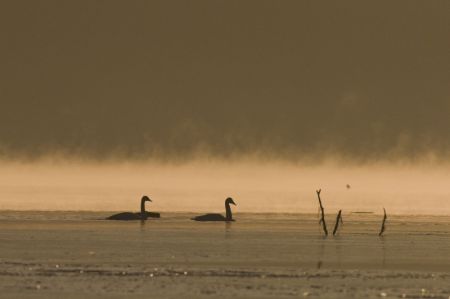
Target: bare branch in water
column 383, row 224
column 338, row 219
column 322, row 218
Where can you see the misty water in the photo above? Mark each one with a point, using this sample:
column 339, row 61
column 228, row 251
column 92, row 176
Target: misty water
column 201, row 186
column 55, row 241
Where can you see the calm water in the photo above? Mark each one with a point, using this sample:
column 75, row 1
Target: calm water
column 78, row 255
column 278, row 240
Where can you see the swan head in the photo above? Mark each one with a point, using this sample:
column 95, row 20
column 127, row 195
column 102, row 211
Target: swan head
column 145, row 198
column 229, row 200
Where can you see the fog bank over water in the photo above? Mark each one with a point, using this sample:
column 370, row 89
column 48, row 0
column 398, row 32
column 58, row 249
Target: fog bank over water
column 202, row 185
column 166, row 80
column 193, row 101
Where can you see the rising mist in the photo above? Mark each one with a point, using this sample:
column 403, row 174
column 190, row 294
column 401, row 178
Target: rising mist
column 264, row 101
column 365, row 81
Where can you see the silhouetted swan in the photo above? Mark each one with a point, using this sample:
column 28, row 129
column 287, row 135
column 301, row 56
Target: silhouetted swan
column 142, row 215
column 218, row 217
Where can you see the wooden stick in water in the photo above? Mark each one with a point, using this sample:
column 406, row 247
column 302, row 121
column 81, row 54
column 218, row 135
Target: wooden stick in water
column 383, row 224
column 322, row 218
column 338, row 219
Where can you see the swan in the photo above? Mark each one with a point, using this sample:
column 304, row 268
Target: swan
column 142, row 215
column 218, row 217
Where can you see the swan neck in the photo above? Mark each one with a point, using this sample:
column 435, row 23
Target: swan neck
column 229, row 216
column 142, row 206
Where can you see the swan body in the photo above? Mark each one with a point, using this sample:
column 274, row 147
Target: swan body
column 142, row 215
column 152, row 215
column 211, row 217
column 126, row 216
column 218, row 217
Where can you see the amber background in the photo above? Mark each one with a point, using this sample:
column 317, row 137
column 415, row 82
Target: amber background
column 176, row 79
column 190, row 102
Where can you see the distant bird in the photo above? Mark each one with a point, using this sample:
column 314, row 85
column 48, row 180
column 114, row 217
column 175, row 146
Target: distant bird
column 218, row 217
column 142, row 215
column 348, row 186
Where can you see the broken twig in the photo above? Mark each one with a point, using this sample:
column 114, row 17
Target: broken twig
column 322, row 218
column 338, row 219
column 383, row 223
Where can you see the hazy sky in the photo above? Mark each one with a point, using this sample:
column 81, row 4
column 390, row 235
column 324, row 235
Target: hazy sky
column 357, row 78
